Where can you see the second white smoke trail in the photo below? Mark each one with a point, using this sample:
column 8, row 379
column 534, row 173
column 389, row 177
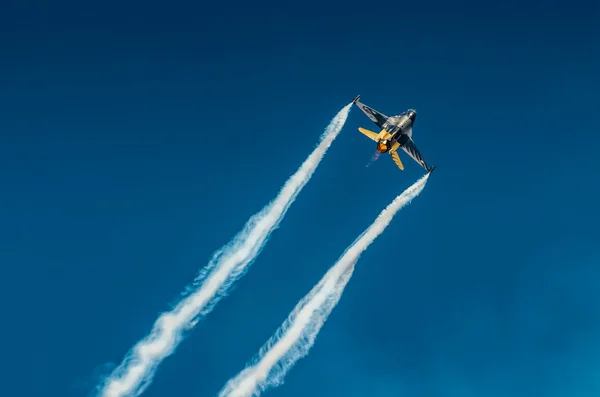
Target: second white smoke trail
column 297, row 334
column 227, row 265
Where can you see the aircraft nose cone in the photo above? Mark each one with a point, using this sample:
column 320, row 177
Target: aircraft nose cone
column 412, row 114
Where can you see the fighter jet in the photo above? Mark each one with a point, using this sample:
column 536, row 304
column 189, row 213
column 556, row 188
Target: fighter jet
column 396, row 132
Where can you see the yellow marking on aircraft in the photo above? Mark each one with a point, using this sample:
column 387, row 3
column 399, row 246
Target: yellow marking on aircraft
column 396, row 159
column 383, row 134
column 373, row 135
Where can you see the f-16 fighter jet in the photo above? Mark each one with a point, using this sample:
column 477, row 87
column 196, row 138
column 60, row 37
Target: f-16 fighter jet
column 396, row 132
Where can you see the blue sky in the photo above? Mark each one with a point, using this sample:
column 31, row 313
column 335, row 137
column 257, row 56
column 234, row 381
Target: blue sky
column 136, row 138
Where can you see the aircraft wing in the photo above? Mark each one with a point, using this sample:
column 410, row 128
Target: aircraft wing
column 411, row 149
column 377, row 117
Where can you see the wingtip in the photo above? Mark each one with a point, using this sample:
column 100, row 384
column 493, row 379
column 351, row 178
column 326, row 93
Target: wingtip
column 431, row 169
column 356, row 99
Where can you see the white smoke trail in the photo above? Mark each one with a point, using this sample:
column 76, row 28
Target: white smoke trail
column 297, row 334
column 226, row 266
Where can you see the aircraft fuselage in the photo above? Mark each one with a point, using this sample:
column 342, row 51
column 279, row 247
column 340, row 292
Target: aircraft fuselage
column 397, row 129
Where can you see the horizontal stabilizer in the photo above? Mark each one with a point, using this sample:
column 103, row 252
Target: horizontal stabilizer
column 373, row 135
column 396, row 159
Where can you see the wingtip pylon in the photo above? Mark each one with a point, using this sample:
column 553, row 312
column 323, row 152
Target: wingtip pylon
column 431, row 169
column 356, row 99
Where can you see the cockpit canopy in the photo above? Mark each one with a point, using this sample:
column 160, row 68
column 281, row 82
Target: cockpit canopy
column 411, row 114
